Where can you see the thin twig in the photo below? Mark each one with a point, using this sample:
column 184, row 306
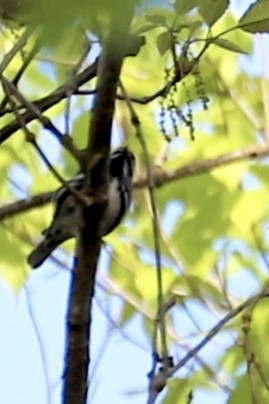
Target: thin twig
column 160, row 319
column 252, row 362
column 246, row 345
column 20, row 43
column 30, row 137
column 214, row 331
column 29, row 57
column 68, row 144
column 79, row 195
column 241, row 103
column 72, row 87
column 74, row 71
column 160, row 177
column 47, row 102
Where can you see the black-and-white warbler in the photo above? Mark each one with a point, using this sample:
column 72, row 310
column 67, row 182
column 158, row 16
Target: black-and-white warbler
column 66, row 216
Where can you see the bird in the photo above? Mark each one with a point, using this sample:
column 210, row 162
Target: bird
column 66, row 216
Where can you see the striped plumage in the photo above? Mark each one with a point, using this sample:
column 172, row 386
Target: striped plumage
column 67, row 215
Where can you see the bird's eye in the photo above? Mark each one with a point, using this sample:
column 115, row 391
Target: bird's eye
column 70, row 207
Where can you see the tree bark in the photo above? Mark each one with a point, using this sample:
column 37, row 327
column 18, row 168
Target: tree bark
column 79, row 315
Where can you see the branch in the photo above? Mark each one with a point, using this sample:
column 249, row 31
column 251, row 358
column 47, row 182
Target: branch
column 161, row 378
column 160, row 177
column 65, row 140
column 160, row 318
column 47, row 102
column 233, row 313
column 89, row 240
column 23, row 205
column 20, row 43
column 57, row 95
column 147, row 98
column 26, row 62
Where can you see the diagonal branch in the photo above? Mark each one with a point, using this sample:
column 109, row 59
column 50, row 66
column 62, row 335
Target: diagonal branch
column 49, row 101
column 23, row 205
column 16, row 48
column 26, row 62
column 56, row 96
column 65, row 140
column 160, row 177
column 215, row 330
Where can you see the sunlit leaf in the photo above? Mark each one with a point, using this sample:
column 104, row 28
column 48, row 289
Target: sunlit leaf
column 212, row 10
column 231, row 46
column 156, row 19
column 184, row 6
column 164, row 41
column 256, row 18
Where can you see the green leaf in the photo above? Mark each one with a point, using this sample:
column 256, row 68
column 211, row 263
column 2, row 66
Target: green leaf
column 164, row 42
column 156, row 19
column 184, row 6
column 242, row 392
column 145, row 28
column 247, row 211
column 212, row 10
column 146, row 282
column 180, row 389
column 207, row 208
column 233, row 359
column 230, row 177
column 256, row 18
column 229, row 45
column 13, row 267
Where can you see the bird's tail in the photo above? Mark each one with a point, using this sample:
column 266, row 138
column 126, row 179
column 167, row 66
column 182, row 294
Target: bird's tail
column 63, row 227
column 42, row 251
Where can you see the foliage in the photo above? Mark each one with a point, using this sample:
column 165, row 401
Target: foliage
column 195, row 102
